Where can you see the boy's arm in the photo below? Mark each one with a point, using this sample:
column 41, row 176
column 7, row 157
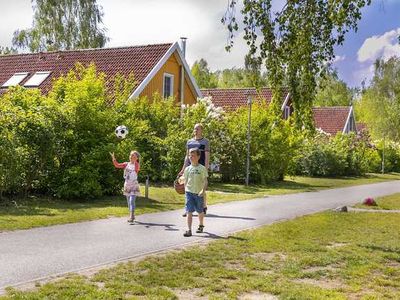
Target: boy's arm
column 205, row 186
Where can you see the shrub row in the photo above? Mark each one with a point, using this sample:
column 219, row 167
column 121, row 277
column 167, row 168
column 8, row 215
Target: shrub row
column 59, row 144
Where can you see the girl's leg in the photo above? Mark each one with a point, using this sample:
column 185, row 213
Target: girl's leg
column 132, row 206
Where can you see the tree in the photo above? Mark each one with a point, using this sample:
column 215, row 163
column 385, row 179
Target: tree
column 7, row 50
column 295, row 43
column 204, row 77
column 331, row 91
column 379, row 106
column 63, row 25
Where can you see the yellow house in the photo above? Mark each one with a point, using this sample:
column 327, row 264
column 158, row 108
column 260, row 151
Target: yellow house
column 160, row 68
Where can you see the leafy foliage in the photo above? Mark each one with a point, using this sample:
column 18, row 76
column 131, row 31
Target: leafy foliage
column 295, row 43
column 332, row 91
column 343, row 154
column 63, row 25
column 379, row 106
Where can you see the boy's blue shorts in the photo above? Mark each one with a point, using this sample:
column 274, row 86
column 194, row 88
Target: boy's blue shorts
column 194, row 202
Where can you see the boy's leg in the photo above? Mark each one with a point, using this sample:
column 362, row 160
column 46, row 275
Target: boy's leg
column 199, row 208
column 189, row 220
column 190, row 207
column 201, row 219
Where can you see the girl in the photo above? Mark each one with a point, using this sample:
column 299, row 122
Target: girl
column 131, row 185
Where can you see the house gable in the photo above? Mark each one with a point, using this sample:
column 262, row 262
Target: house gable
column 171, row 67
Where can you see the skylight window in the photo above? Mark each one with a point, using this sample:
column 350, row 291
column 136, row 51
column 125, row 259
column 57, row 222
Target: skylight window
column 37, row 79
column 15, row 79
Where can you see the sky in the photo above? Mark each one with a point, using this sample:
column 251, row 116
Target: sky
column 139, row 22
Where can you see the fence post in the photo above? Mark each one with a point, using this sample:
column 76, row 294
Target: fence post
column 146, row 190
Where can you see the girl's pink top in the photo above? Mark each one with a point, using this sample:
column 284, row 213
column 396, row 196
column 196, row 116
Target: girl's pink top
column 124, row 164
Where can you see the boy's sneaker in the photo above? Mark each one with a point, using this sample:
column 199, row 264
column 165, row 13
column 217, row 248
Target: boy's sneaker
column 187, row 233
column 184, row 214
column 200, row 229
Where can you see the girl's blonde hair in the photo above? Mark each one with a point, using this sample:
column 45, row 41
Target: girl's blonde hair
column 136, row 153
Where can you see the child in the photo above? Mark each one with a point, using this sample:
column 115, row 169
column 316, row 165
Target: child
column 131, row 185
column 195, row 186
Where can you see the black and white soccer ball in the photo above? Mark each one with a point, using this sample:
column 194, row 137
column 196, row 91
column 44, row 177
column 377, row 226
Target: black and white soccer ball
column 121, row 131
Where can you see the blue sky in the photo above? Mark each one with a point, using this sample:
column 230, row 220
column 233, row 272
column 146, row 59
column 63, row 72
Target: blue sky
column 382, row 16
column 137, row 22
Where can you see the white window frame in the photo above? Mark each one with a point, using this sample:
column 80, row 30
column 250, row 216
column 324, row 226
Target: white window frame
column 37, row 78
column 16, row 79
column 171, row 88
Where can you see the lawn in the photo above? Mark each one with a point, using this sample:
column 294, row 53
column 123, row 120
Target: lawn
column 323, row 256
column 36, row 212
column 391, row 202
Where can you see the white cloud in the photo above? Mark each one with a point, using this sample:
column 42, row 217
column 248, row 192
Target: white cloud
column 135, row 22
column 339, row 58
column 380, row 46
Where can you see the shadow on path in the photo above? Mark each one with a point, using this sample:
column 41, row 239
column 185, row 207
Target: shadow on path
column 168, row 227
column 229, row 217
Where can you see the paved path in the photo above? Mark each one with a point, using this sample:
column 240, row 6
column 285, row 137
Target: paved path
column 29, row 255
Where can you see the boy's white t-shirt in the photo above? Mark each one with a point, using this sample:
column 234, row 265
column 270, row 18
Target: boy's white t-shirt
column 195, row 178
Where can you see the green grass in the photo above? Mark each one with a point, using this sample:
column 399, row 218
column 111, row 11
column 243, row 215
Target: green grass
column 323, row 256
column 391, row 202
column 37, row 212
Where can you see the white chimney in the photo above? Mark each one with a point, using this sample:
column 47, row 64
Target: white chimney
column 183, row 45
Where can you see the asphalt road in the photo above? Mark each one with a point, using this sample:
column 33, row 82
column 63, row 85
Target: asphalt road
column 39, row 253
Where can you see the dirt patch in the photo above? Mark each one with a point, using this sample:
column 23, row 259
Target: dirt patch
column 264, row 272
column 189, row 294
column 235, row 265
column 336, row 245
column 393, row 264
column 322, row 283
column 320, row 269
column 264, row 256
column 257, row 296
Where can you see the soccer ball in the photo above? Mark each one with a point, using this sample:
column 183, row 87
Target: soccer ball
column 121, row 131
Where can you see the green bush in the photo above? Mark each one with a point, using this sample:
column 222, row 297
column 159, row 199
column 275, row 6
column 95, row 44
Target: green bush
column 391, row 151
column 341, row 155
column 272, row 145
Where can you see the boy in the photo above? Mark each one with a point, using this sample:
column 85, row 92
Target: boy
column 195, row 186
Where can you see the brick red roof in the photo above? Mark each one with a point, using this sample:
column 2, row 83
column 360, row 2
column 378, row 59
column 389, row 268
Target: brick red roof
column 331, row 119
column 137, row 59
column 232, row 99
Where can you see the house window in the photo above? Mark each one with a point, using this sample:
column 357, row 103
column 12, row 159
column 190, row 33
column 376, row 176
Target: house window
column 15, row 79
column 37, row 79
column 286, row 112
column 168, row 88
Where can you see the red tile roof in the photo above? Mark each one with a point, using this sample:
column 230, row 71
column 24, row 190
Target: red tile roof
column 331, row 119
column 137, row 59
column 232, row 99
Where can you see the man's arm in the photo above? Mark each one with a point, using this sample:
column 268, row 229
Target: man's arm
column 207, row 159
column 185, row 163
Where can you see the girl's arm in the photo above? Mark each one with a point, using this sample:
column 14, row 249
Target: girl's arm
column 117, row 164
